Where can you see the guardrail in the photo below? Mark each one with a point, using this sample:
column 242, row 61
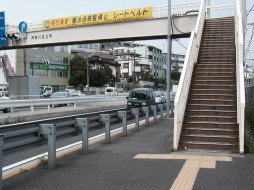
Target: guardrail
column 158, row 12
column 50, row 103
column 184, row 83
column 11, row 138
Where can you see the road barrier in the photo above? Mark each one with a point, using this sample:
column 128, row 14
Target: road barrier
column 12, row 138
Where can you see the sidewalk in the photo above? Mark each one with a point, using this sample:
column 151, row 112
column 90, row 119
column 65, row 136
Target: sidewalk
column 140, row 161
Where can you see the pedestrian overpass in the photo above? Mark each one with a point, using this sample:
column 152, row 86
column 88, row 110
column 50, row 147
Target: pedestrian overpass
column 155, row 27
column 210, row 101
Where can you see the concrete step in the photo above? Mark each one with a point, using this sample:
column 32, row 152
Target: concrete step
column 211, row 118
column 211, row 112
column 210, row 138
column 215, row 125
column 207, row 95
column 211, row 86
column 214, row 82
column 211, row 107
column 209, row 146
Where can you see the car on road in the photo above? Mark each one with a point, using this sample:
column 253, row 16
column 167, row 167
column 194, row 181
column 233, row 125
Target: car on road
column 57, row 95
column 77, row 93
column 160, row 97
column 61, row 95
column 69, row 88
column 111, row 91
column 4, row 98
column 139, row 97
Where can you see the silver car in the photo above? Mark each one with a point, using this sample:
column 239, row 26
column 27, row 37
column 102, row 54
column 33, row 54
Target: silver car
column 160, row 97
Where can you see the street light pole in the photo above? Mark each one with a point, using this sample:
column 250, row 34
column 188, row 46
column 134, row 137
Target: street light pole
column 169, row 57
column 87, row 75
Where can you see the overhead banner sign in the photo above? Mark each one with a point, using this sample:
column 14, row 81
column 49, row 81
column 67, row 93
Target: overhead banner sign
column 2, row 29
column 42, row 66
column 99, row 18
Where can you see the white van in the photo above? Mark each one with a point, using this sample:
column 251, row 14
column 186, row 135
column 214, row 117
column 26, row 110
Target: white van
column 47, row 91
column 111, row 91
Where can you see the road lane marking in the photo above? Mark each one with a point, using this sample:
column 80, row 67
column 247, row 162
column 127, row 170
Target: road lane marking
column 188, row 174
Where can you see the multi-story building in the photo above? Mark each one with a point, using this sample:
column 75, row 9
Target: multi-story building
column 51, row 64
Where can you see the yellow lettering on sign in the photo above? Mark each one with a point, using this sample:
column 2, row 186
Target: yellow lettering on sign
column 99, row 18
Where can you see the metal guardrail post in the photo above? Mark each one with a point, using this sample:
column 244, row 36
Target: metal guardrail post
column 1, row 160
column 122, row 115
column 107, row 119
column 146, row 111
column 154, row 109
column 160, row 106
column 50, row 131
column 135, row 112
column 83, row 124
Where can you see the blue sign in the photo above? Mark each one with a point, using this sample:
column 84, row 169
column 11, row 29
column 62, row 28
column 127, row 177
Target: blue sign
column 23, row 27
column 2, row 29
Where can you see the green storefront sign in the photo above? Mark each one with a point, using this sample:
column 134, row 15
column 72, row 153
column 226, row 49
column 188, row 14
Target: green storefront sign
column 42, row 66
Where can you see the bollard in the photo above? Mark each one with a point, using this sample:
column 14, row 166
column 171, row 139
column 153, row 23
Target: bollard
column 1, row 159
column 50, row 131
column 122, row 115
column 135, row 112
column 154, row 109
column 83, row 124
column 160, row 106
column 107, row 119
column 146, row 111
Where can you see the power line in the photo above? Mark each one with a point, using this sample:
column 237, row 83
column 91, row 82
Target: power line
column 180, row 44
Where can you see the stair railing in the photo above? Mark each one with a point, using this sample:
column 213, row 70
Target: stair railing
column 239, row 42
column 184, row 83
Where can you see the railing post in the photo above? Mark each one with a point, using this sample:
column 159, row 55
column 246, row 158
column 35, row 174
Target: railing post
column 122, row 115
column 107, row 119
column 135, row 112
column 83, row 124
column 154, row 109
column 160, row 106
column 146, row 111
column 50, row 131
column 1, row 160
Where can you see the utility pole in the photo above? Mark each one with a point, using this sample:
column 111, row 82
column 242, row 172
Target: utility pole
column 169, row 57
column 24, row 54
column 87, row 74
column 134, row 74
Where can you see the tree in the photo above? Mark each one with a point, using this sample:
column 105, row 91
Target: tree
column 175, row 75
column 77, row 71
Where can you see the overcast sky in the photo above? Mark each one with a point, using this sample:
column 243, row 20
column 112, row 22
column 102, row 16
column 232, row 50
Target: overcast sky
column 32, row 11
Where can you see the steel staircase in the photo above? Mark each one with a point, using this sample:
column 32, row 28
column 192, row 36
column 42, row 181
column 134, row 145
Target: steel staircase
column 210, row 120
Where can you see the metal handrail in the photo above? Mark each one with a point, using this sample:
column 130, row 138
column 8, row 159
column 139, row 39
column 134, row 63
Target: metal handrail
column 240, row 75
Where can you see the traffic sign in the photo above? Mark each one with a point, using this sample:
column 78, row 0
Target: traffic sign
column 23, row 27
column 2, row 29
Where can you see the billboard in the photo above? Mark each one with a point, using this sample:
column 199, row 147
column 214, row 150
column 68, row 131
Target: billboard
column 2, row 29
column 99, row 18
column 42, row 66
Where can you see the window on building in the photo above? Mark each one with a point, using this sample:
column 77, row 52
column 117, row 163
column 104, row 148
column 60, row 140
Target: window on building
column 90, row 46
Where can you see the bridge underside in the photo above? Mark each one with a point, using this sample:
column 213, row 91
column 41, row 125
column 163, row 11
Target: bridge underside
column 125, row 31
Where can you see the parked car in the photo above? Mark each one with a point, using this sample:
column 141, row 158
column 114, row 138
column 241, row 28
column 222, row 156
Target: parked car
column 77, row 93
column 46, row 91
column 61, row 95
column 57, row 95
column 139, row 97
column 160, row 97
column 111, row 91
column 4, row 98
column 69, row 88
